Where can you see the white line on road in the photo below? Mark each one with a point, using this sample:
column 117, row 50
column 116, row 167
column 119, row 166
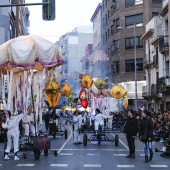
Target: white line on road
column 120, row 154
column 65, row 142
column 25, row 164
column 66, row 153
column 125, row 166
column 142, row 154
column 0, row 164
column 92, row 165
column 59, row 165
column 93, row 154
column 159, row 166
column 93, row 149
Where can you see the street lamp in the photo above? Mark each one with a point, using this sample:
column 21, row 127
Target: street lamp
column 136, row 94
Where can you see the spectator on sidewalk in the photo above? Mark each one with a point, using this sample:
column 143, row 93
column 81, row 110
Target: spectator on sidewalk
column 131, row 130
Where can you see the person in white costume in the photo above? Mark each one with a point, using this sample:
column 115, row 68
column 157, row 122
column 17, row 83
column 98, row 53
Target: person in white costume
column 12, row 125
column 110, row 120
column 99, row 119
column 77, row 122
column 28, row 122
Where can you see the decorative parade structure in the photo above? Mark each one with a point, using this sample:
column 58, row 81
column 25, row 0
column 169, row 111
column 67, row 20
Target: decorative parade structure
column 25, row 64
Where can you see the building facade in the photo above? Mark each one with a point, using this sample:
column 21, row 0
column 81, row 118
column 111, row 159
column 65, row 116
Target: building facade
column 72, row 46
column 131, row 16
column 157, row 67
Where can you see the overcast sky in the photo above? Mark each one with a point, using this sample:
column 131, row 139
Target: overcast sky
column 69, row 14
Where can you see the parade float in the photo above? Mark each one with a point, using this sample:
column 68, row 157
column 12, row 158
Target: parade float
column 26, row 65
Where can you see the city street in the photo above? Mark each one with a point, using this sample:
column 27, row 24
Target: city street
column 105, row 156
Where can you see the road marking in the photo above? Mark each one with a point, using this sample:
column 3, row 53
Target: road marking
column 142, row 154
column 125, row 166
column 25, row 164
column 159, row 166
column 0, row 164
column 92, row 165
column 65, row 142
column 120, row 154
column 121, row 142
column 93, row 154
column 13, row 154
column 93, row 149
column 66, row 153
column 59, row 165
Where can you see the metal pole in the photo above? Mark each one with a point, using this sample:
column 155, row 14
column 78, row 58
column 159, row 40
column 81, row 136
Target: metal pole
column 136, row 94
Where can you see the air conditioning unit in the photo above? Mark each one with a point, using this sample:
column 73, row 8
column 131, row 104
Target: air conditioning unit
column 167, row 81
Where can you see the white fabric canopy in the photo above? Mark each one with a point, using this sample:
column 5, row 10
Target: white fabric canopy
column 26, row 51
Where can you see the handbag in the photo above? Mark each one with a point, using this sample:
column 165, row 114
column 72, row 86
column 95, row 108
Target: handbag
column 143, row 138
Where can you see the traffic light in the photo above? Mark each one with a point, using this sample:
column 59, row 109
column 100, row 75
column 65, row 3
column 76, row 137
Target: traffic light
column 48, row 10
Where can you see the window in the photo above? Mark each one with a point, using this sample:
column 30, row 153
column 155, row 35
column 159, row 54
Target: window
column 117, row 23
column 137, row 19
column 157, row 1
column 112, row 29
column 113, row 68
column 130, row 65
column 115, row 46
column 117, row 67
column 117, row 4
column 112, row 8
column 133, row 2
column 129, row 43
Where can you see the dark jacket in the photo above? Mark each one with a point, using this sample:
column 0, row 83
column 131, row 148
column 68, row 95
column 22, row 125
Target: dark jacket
column 131, row 126
column 146, row 128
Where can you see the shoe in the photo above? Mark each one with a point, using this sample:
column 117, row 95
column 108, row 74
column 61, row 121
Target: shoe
column 80, row 143
column 129, row 156
column 133, row 157
column 156, row 150
column 6, row 157
column 150, row 157
column 16, row 158
column 75, row 143
column 146, row 159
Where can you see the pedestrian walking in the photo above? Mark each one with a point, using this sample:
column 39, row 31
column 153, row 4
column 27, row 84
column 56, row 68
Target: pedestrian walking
column 146, row 134
column 131, row 130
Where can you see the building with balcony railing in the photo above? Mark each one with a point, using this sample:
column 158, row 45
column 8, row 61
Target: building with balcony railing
column 157, row 67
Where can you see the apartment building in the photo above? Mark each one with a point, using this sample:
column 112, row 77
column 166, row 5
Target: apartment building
column 131, row 16
column 156, row 64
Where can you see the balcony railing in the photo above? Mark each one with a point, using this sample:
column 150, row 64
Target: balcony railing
column 154, row 91
column 145, row 92
column 161, row 85
column 164, row 44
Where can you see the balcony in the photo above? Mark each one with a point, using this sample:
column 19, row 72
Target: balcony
column 154, row 91
column 145, row 92
column 164, row 44
column 155, row 61
column 161, row 85
column 146, row 64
